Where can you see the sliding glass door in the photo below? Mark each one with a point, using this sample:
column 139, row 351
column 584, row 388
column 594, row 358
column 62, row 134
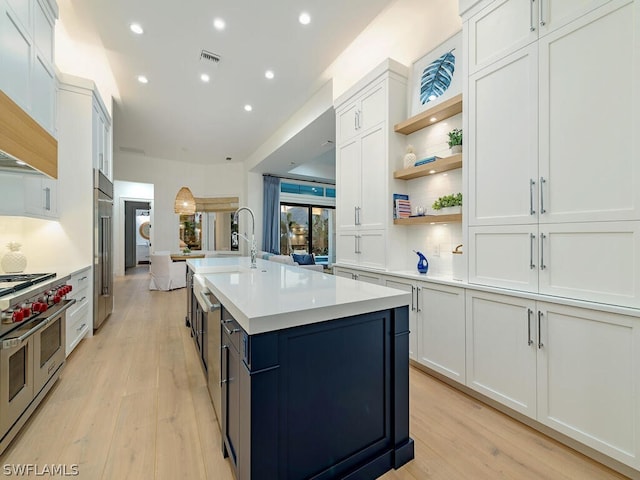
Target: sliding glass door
column 307, row 229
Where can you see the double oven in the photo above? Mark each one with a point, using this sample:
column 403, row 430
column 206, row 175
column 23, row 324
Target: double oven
column 32, row 354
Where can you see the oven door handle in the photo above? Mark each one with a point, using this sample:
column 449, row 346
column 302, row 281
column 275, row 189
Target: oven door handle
column 17, row 341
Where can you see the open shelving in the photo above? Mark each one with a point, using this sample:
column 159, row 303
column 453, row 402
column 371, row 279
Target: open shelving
column 429, row 219
column 437, row 166
column 443, row 110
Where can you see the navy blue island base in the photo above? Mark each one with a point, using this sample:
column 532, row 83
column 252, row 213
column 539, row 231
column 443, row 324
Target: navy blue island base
column 322, row 401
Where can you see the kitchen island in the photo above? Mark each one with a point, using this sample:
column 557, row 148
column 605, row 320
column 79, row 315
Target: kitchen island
column 315, row 380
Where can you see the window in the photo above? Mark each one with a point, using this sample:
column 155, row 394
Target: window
column 308, row 229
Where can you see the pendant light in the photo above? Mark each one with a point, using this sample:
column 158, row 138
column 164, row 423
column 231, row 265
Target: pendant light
column 185, row 204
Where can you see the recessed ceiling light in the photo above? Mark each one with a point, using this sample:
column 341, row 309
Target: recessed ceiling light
column 136, row 28
column 269, row 74
column 304, row 18
column 219, row 24
column 205, row 78
column 248, row 108
column 143, row 79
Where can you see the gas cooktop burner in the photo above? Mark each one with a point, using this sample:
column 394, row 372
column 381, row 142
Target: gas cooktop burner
column 11, row 283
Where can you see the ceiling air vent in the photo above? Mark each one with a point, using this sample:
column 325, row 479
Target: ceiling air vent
column 209, row 56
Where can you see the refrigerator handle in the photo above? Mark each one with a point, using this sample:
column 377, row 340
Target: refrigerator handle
column 104, row 239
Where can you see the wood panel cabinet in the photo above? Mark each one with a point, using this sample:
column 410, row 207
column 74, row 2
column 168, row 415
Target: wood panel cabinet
column 570, row 368
column 27, row 57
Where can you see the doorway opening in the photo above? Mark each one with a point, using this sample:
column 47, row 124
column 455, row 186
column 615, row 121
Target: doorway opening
column 137, row 233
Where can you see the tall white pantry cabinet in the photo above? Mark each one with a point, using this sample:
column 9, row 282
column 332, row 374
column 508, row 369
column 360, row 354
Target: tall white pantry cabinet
column 552, row 115
column 366, row 156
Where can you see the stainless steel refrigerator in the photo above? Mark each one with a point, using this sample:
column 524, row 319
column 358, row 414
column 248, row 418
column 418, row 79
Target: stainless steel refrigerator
column 102, row 248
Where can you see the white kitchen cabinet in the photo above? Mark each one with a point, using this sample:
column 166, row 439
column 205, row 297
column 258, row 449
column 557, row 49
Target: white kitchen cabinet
column 80, row 314
column 366, row 111
column 366, row 156
column 501, row 349
column 41, row 196
column 505, row 26
column 436, row 325
column 360, row 275
column 537, row 151
column 441, row 329
column 28, row 195
column 588, row 261
column 102, row 143
column 27, row 57
column 572, row 369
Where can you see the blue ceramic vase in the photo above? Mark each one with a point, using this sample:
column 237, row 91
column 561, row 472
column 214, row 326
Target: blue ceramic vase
column 423, row 264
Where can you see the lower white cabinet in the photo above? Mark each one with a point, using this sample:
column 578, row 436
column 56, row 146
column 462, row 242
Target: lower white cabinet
column 79, row 318
column 357, row 275
column 573, row 369
column 436, row 324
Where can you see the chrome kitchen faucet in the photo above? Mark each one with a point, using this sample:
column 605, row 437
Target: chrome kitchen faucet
column 254, row 250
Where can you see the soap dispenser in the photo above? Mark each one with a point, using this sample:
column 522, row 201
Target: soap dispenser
column 423, row 264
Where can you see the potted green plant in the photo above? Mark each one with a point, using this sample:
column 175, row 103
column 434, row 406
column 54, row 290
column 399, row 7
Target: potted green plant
column 455, row 141
column 448, row 204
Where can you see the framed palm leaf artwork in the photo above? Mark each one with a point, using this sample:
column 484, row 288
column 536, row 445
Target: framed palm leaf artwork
column 438, row 75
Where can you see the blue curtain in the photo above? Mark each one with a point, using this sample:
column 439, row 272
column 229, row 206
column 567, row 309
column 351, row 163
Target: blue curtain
column 271, row 212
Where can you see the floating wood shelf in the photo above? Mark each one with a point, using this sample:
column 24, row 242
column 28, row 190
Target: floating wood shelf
column 429, row 219
column 437, row 166
column 446, row 109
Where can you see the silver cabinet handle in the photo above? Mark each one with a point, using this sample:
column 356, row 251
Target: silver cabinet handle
column 532, row 184
column 47, row 199
column 358, row 215
column 540, row 344
column 542, row 182
column 355, row 215
column 531, row 25
column 355, row 120
column 529, row 313
column 542, row 265
column 418, row 309
column 531, row 244
column 542, row 22
column 230, row 332
column 413, row 308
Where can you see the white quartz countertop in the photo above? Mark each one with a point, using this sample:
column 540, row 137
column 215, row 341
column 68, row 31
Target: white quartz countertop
column 276, row 296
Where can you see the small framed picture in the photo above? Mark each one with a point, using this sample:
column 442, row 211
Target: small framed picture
column 437, row 76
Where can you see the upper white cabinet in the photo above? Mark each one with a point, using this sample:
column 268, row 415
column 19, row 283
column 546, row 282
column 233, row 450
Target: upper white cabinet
column 505, row 26
column 551, row 173
column 27, row 57
column 366, row 153
column 28, row 195
column 102, row 139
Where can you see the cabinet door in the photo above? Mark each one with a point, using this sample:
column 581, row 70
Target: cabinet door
column 553, row 14
column 43, row 33
column 501, row 349
column 590, row 162
column 11, row 194
column 15, row 60
column 596, row 261
column 441, row 340
column 588, row 382
column 501, row 28
column 371, row 248
column 44, row 94
column 374, row 203
column 504, row 256
column 231, row 399
column 414, row 331
column 349, row 184
column 346, row 247
column 372, row 108
column 503, row 141
column 347, row 122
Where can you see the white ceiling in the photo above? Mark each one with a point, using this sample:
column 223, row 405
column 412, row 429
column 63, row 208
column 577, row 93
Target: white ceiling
column 176, row 116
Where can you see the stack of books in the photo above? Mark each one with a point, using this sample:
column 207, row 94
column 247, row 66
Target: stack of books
column 426, row 160
column 401, row 205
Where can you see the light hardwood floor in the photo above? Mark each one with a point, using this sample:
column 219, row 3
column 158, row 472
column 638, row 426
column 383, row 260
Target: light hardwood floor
column 133, row 404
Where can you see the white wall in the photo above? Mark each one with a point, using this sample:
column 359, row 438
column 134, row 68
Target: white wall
column 167, row 177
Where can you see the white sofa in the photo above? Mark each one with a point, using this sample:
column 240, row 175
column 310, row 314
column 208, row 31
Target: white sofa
column 165, row 273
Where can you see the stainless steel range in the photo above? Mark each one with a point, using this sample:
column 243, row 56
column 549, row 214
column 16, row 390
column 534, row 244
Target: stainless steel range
column 32, row 344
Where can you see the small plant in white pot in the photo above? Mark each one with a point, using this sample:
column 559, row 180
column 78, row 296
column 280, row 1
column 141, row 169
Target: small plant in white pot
column 448, row 204
column 455, row 141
